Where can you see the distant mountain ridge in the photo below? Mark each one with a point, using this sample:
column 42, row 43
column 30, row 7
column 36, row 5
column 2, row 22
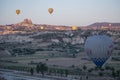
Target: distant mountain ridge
column 99, row 24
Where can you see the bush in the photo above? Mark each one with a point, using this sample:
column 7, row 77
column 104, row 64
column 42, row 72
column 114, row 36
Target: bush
column 100, row 74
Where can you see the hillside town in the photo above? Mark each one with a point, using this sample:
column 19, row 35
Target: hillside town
column 26, row 26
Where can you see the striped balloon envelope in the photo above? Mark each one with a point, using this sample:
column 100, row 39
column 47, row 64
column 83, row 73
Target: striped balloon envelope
column 99, row 48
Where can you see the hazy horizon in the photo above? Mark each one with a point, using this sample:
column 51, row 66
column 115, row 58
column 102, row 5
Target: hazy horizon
column 66, row 12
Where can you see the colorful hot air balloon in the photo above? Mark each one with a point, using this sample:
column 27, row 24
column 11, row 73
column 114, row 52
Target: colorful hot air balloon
column 50, row 10
column 17, row 11
column 99, row 48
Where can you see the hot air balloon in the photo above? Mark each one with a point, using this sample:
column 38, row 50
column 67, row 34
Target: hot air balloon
column 17, row 11
column 50, row 10
column 99, row 48
column 74, row 28
column 41, row 27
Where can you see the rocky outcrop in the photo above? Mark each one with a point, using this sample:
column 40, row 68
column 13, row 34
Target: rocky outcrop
column 25, row 22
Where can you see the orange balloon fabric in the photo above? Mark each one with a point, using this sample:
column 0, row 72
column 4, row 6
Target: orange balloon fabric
column 17, row 11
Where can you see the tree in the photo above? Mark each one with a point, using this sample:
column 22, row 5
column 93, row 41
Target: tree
column 107, row 67
column 90, row 70
column 46, row 59
column 49, row 71
column 43, row 68
column 101, row 69
column 100, row 74
column 37, row 68
column 113, row 74
column 118, row 72
column 84, row 67
column 74, row 55
column 61, row 72
column 87, row 77
column 66, row 72
column 31, row 71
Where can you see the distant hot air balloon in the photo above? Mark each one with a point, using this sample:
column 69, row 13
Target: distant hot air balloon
column 99, row 48
column 41, row 27
column 74, row 28
column 17, row 11
column 50, row 10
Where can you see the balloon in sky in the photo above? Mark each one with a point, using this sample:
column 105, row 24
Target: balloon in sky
column 99, row 48
column 50, row 10
column 74, row 28
column 17, row 11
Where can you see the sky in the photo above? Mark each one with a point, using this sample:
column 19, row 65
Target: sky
column 66, row 12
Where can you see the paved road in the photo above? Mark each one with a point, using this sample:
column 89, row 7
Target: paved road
column 18, row 75
column 13, row 76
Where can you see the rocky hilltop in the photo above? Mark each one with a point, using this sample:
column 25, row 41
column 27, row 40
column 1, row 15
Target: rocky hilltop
column 27, row 26
column 25, row 22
